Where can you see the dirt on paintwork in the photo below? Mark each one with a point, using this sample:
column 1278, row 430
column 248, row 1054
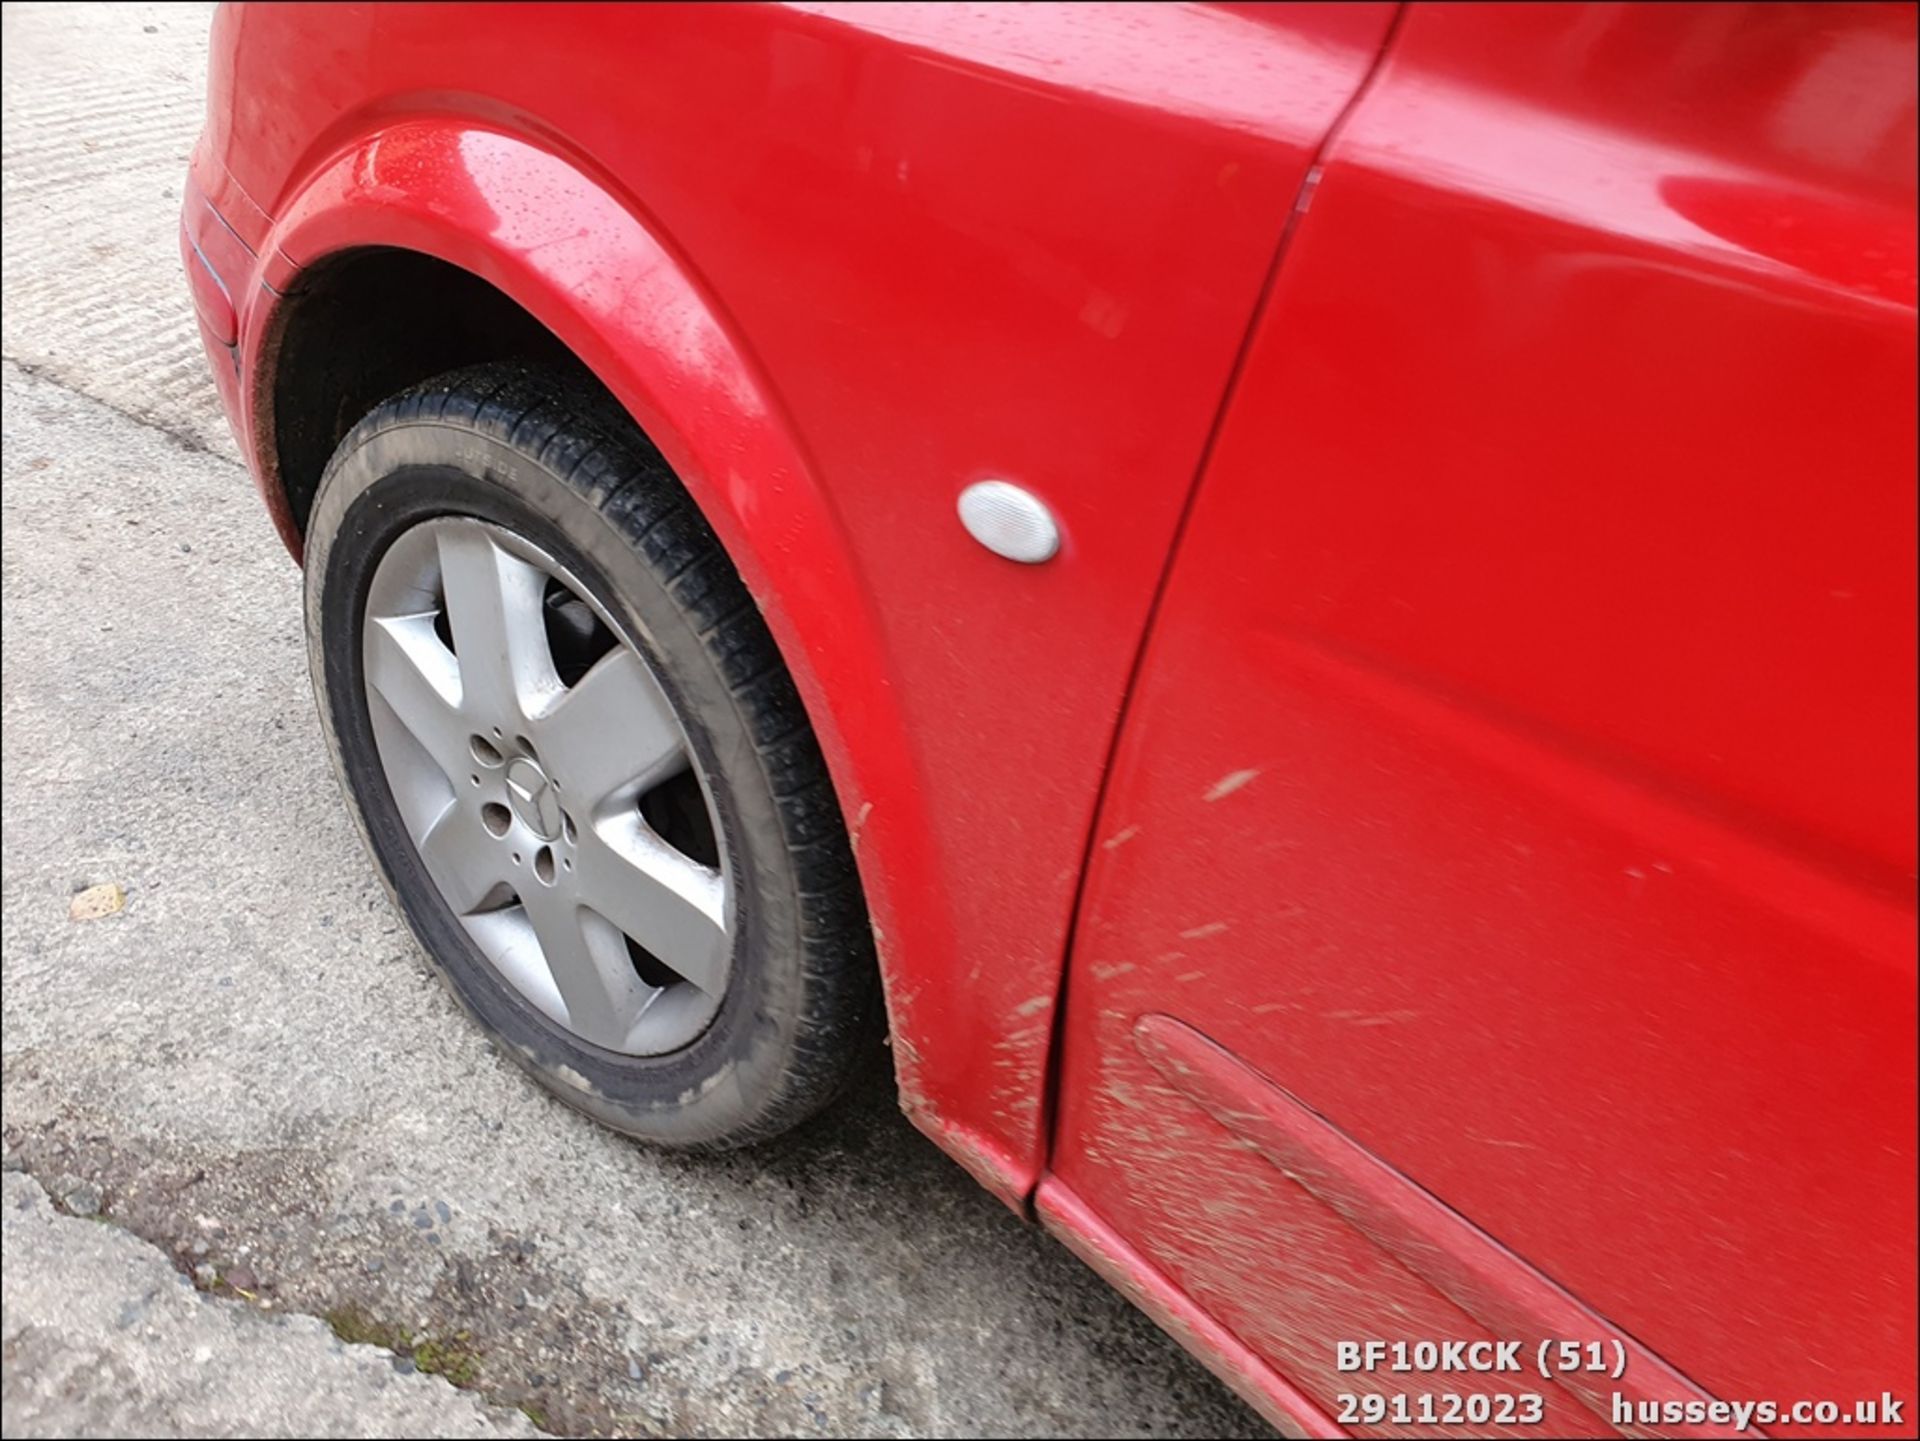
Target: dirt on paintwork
column 258, row 1226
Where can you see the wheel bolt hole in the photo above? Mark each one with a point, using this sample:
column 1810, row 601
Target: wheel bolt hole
column 516, row 858
column 485, row 751
column 496, row 818
column 474, row 779
column 567, row 863
column 543, row 864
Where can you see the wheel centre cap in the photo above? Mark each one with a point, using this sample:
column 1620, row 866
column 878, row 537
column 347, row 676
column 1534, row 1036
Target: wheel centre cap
column 532, row 797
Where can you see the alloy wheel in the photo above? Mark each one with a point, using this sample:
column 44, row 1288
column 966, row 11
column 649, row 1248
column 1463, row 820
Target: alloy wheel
column 548, row 786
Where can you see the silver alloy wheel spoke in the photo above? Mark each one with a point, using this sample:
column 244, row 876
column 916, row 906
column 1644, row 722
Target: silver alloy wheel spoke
column 494, row 607
column 589, row 964
column 517, row 787
column 417, row 677
column 462, row 858
column 665, row 900
column 611, row 734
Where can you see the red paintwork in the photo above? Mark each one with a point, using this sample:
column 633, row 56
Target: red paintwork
column 1555, row 573
column 1401, row 1237
column 1551, row 561
column 1096, row 1243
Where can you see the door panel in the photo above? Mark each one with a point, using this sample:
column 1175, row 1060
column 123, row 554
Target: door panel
column 1521, row 771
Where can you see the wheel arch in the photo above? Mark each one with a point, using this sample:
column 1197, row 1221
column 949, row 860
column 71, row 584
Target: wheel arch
column 590, row 270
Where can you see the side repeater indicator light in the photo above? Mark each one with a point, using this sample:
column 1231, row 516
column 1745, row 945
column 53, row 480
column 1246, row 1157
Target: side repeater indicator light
column 1010, row 521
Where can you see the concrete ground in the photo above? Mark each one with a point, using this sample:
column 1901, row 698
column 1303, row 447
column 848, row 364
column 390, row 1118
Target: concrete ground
column 274, row 1181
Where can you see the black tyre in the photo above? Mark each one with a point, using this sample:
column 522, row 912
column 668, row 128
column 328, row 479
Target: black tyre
column 579, row 762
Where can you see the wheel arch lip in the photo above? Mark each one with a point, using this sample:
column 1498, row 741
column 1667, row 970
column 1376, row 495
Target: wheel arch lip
column 596, row 271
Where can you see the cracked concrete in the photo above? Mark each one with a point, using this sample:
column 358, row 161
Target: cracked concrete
column 250, row 1065
column 102, row 1337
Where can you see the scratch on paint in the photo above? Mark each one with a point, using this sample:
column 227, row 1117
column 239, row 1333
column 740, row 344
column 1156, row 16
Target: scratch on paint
column 1385, row 1018
column 1228, row 784
column 859, row 821
column 1107, row 973
column 1211, row 928
column 1272, row 1006
column 1033, row 1006
column 1120, row 838
column 1189, row 975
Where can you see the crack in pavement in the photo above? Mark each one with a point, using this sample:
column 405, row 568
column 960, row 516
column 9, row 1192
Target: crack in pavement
column 179, row 1361
column 520, row 1334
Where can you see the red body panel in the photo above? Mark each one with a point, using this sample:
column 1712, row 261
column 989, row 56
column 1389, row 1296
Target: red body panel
column 1521, row 772
column 1491, row 467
